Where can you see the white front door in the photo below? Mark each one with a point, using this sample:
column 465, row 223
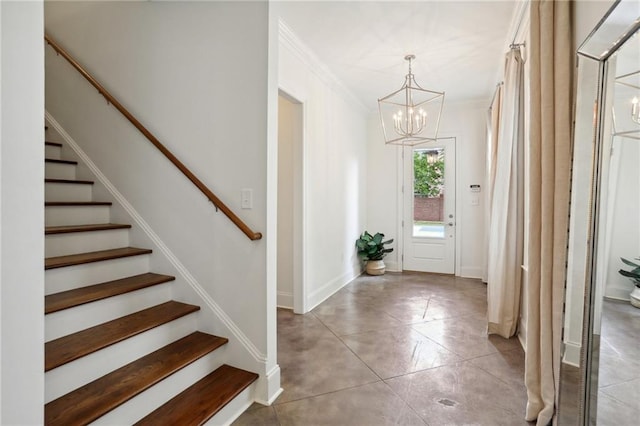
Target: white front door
column 429, row 226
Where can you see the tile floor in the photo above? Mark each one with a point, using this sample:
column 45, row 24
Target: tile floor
column 619, row 365
column 406, row 349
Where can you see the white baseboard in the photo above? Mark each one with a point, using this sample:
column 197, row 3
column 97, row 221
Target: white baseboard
column 327, row 290
column 392, row 266
column 270, row 385
column 522, row 333
column 285, row 300
column 617, row 293
column 572, row 353
column 471, row 272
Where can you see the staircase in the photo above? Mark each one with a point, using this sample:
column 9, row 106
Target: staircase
column 118, row 350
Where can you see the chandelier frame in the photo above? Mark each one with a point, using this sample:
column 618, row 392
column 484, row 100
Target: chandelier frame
column 410, row 121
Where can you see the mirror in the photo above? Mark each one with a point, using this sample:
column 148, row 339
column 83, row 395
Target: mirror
column 600, row 369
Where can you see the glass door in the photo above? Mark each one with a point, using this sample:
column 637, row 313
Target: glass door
column 429, row 207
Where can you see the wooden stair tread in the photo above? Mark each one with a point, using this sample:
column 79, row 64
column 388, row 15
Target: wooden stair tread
column 76, row 203
column 95, row 399
column 71, row 181
column 49, row 230
column 94, row 256
column 55, row 160
column 201, row 401
column 53, row 143
column 69, row 348
column 79, row 296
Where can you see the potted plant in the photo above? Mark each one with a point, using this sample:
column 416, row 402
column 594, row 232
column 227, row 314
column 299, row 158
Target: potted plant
column 371, row 250
column 634, row 274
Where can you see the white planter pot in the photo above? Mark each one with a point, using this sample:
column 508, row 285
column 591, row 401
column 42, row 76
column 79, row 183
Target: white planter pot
column 635, row 297
column 375, row 267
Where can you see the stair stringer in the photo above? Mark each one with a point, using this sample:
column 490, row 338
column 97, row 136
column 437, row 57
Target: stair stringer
column 241, row 351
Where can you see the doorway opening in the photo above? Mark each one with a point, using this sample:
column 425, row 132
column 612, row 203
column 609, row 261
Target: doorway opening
column 290, row 251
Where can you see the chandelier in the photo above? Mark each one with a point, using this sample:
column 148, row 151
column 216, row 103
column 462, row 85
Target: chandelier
column 410, row 115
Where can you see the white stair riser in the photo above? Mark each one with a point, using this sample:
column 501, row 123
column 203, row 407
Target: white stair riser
column 71, row 320
column 70, row 376
column 234, row 408
column 80, row 242
column 143, row 404
column 76, row 215
column 70, row 277
column 52, row 152
column 59, row 171
column 54, row 191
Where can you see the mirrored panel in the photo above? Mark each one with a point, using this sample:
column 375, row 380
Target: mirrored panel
column 616, row 324
column 600, row 370
column 612, row 31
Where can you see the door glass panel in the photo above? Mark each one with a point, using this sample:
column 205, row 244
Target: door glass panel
column 428, row 193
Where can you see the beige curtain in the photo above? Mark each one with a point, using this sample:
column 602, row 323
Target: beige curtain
column 551, row 57
column 506, row 224
column 493, row 123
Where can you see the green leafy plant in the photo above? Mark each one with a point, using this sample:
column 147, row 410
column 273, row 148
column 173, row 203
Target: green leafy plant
column 634, row 274
column 428, row 176
column 371, row 247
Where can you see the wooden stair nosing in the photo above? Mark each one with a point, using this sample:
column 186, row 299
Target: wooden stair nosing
column 67, row 229
column 94, row 256
column 201, row 401
column 97, row 398
column 69, row 181
column 76, row 203
column 58, row 144
column 55, row 160
column 69, row 348
column 79, row 296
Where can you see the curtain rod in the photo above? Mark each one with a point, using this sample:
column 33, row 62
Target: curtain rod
column 522, row 13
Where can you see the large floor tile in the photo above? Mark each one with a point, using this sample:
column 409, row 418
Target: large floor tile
column 263, row 416
column 626, row 392
column 611, row 412
column 350, row 319
column 461, row 394
column 610, row 370
column 314, row 361
column 507, row 366
column 466, row 336
column 398, row 351
column 372, row 405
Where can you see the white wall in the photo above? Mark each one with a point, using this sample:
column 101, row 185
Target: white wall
column 195, row 74
column 465, row 122
column 334, row 164
column 21, row 213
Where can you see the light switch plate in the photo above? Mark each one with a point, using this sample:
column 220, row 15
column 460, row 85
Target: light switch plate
column 247, row 198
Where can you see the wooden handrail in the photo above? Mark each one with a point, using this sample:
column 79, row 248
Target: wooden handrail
column 197, row 182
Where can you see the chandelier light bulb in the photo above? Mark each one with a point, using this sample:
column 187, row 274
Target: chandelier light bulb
column 635, row 110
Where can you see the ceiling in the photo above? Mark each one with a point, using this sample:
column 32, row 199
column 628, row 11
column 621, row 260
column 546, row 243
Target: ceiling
column 459, row 46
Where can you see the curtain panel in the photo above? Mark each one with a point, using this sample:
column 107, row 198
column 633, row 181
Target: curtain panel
column 506, row 219
column 551, row 67
column 493, row 124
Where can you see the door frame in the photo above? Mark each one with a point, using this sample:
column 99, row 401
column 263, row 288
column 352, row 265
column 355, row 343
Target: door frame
column 400, row 202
